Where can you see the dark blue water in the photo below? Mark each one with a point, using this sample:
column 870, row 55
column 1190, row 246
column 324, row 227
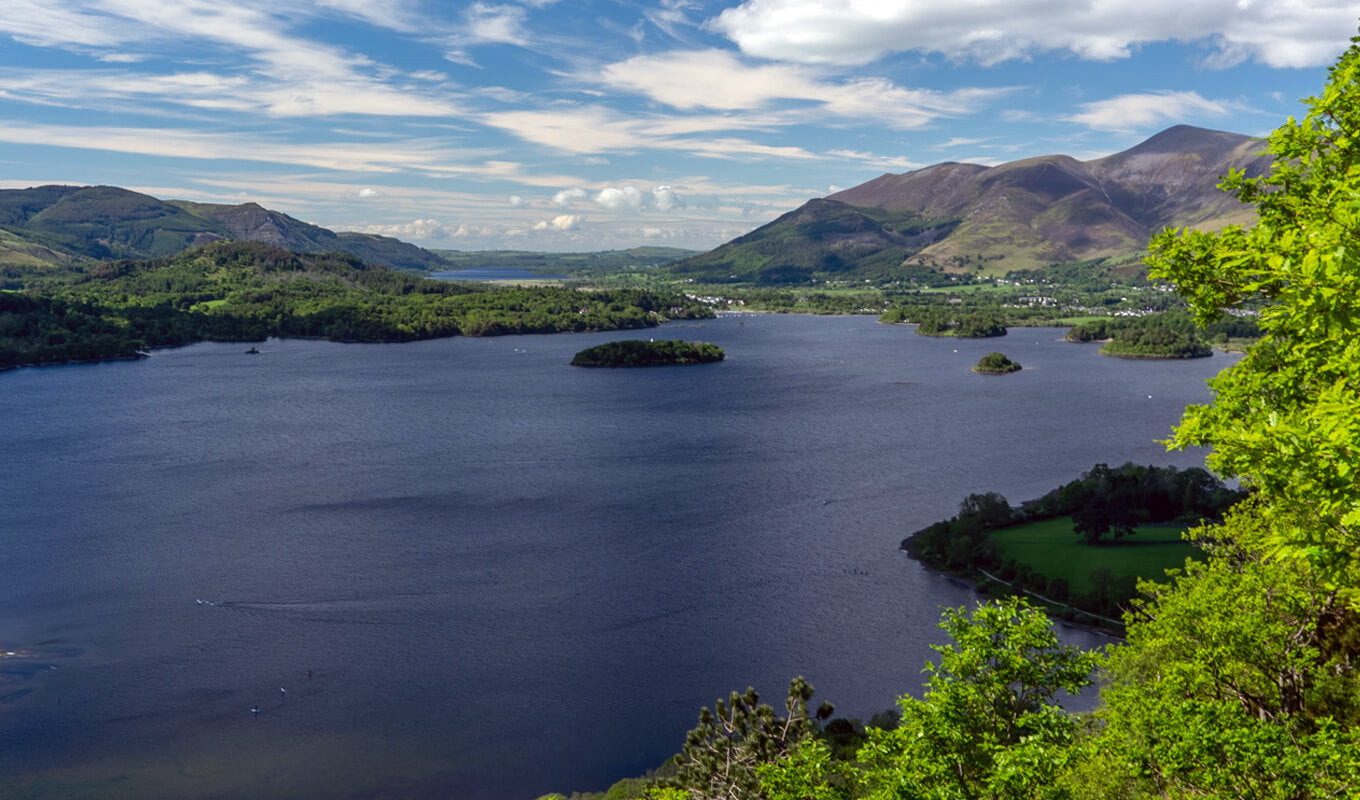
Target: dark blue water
column 507, row 576
column 494, row 274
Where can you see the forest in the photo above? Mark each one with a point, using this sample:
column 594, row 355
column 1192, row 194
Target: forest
column 1237, row 674
column 247, row 291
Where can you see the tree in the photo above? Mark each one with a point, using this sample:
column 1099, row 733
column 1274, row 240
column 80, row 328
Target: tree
column 1284, row 418
column 721, row 755
column 1238, row 680
column 990, row 509
column 1239, row 676
column 988, row 725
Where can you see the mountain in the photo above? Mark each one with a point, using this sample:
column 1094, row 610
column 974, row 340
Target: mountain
column 59, row 226
column 1022, row 215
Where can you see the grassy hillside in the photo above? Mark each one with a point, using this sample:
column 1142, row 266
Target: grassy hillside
column 823, row 240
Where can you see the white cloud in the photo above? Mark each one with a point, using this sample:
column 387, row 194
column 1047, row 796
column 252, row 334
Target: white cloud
column 665, row 199
column 366, row 193
column 565, row 197
column 420, row 229
column 517, row 202
column 561, row 222
column 1279, row 33
column 877, row 161
column 626, row 199
column 1134, row 112
column 282, row 74
column 418, row 157
column 716, row 79
column 392, row 14
column 595, row 129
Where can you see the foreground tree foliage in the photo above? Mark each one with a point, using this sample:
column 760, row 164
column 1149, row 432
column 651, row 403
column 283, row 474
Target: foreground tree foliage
column 722, row 754
column 988, row 725
column 1239, row 675
column 1284, row 418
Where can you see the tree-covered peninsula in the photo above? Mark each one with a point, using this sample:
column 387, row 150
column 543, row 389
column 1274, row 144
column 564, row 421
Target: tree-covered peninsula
column 1160, row 336
column 247, row 291
column 636, row 353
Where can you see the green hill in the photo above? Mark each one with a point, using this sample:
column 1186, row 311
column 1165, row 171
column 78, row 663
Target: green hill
column 823, row 240
column 54, row 228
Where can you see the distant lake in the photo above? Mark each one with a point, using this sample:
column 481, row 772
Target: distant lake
column 494, row 274
column 506, row 576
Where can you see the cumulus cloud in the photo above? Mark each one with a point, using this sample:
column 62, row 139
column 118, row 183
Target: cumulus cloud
column 366, row 193
column 561, row 222
column 665, row 199
column 1134, row 112
column 565, row 197
column 517, row 202
column 1279, row 33
column 626, row 199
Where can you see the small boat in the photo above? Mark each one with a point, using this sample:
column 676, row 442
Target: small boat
column 253, row 352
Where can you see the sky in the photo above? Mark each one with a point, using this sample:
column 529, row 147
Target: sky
column 561, row 125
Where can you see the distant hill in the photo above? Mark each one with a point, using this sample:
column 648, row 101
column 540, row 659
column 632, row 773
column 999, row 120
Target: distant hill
column 1022, row 215
column 61, row 226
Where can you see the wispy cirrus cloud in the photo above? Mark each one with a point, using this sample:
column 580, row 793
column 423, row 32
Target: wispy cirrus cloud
column 408, row 156
column 598, row 129
column 1135, row 112
column 717, row 79
column 1279, row 33
column 262, row 66
column 204, row 90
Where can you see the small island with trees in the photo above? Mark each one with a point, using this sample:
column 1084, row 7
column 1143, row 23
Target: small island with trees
column 947, row 322
column 996, row 364
column 637, row 353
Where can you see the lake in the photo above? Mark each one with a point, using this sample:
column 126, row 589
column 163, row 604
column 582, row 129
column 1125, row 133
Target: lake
column 461, row 568
column 495, row 274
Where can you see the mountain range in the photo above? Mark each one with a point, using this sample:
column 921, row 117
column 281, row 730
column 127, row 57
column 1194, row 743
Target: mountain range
column 951, row 218
column 47, row 226
column 1026, row 214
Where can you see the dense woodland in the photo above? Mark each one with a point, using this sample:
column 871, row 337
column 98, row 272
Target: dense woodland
column 1238, row 675
column 246, row 291
column 1168, row 335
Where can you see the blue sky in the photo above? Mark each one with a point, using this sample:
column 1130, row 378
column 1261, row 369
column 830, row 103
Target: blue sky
column 602, row 124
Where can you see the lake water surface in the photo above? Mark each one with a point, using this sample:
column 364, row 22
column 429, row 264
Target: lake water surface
column 507, row 576
column 494, row 274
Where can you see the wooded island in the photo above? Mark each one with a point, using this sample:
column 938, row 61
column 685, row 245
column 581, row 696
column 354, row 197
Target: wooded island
column 636, row 353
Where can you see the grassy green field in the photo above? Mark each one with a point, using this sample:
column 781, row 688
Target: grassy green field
column 1050, row 547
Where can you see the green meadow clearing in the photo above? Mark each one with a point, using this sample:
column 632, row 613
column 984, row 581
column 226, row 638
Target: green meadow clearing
column 1051, row 547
